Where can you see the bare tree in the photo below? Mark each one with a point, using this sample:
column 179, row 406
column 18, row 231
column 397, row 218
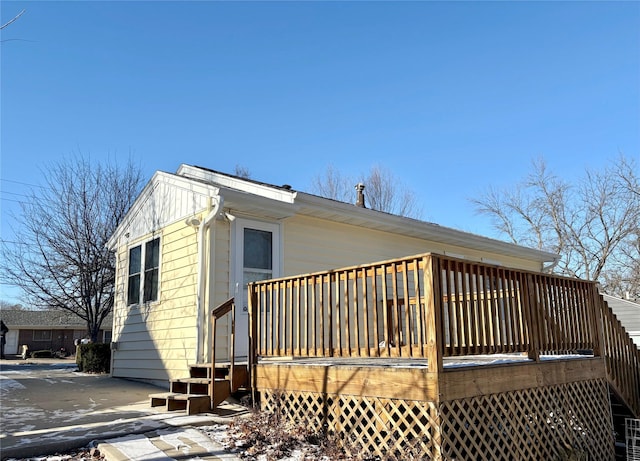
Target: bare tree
column 242, row 172
column 593, row 224
column 334, row 185
column 383, row 190
column 59, row 258
column 8, row 305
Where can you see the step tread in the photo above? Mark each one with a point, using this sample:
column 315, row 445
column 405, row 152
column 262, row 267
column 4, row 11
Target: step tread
column 191, row 380
column 197, row 380
column 177, row 396
column 219, row 364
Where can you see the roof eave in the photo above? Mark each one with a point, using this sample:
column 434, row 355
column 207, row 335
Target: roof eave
column 348, row 213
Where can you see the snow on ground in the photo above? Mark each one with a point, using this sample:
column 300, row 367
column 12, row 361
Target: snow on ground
column 7, row 385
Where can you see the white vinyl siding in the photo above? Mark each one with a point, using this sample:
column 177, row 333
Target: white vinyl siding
column 157, row 341
column 312, row 244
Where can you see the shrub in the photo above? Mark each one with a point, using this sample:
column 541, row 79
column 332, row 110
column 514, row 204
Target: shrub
column 46, row 354
column 94, row 357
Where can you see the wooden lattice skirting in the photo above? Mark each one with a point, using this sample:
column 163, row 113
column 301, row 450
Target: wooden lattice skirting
column 542, row 423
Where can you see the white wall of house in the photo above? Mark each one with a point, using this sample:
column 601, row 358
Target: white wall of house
column 157, row 340
column 312, row 244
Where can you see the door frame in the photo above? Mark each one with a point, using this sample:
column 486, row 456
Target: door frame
column 237, row 267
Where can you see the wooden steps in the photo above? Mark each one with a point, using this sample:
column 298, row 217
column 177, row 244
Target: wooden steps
column 194, row 395
column 190, row 386
column 221, row 390
column 191, row 403
column 620, row 412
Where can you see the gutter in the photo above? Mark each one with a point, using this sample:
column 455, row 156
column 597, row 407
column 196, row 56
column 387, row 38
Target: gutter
column 201, row 282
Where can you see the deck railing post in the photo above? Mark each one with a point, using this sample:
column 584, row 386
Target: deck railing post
column 212, row 385
column 595, row 310
column 218, row 312
column 233, row 343
column 433, row 317
column 253, row 338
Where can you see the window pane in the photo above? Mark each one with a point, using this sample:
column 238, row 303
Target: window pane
column 151, row 285
column 133, row 286
column 251, row 276
column 133, row 294
column 257, row 249
column 42, row 335
column 152, row 254
column 134, row 260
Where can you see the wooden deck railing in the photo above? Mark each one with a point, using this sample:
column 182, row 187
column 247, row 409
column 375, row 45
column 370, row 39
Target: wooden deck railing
column 358, row 311
column 430, row 306
column 489, row 309
column 227, row 307
column 622, row 358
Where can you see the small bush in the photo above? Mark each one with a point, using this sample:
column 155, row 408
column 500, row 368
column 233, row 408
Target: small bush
column 46, row 354
column 94, row 358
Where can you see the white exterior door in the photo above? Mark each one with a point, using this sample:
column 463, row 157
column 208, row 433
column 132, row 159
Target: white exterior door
column 12, row 342
column 257, row 247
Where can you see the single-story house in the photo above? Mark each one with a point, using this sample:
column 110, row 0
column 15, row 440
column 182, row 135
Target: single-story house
column 47, row 330
column 197, row 237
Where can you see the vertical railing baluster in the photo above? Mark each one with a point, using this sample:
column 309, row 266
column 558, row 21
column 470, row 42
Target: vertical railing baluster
column 385, row 310
column 347, row 317
column 366, row 308
column 420, row 317
column 322, row 321
column 459, row 314
column 484, row 317
column 532, row 317
column 408, row 339
column 397, row 319
column 334, row 303
column 374, row 301
column 314, row 311
column 299, row 319
column 465, row 303
column 356, row 314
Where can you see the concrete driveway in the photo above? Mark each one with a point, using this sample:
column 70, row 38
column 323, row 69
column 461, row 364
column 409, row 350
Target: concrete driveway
column 50, row 407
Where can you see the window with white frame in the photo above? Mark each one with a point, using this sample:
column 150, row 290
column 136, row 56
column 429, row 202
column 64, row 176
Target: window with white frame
column 143, row 278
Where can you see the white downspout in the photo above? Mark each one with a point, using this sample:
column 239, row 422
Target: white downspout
column 549, row 269
column 200, row 287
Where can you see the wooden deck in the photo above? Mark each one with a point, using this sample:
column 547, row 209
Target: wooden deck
column 397, row 408
column 443, row 358
column 410, row 379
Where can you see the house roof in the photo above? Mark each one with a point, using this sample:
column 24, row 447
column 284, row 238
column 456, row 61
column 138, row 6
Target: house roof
column 277, row 202
column 627, row 312
column 334, row 210
column 17, row 318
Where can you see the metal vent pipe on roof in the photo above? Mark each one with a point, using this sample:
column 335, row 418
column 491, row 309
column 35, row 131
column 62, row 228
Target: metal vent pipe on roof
column 360, row 198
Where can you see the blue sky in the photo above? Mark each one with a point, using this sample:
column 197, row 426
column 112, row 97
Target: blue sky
column 451, row 97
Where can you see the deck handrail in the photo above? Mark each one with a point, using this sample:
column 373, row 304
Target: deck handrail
column 622, row 358
column 431, row 306
column 223, row 309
